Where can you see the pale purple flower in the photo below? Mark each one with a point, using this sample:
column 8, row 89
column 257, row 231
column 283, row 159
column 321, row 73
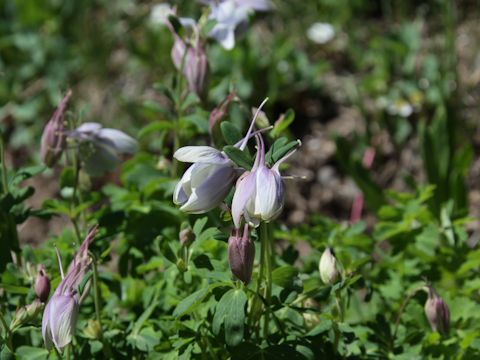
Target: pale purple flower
column 259, row 193
column 208, row 181
column 60, row 315
column 205, row 183
column 229, row 14
column 437, row 312
column 104, row 146
column 53, row 136
column 241, row 254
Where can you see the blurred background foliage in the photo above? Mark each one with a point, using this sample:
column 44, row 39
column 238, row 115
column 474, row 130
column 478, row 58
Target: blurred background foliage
column 399, row 77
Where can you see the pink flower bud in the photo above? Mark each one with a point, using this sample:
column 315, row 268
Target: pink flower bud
column 53, row 136
column 437, row 312
column 192, row 61
column 241, row 254
column 42, row 285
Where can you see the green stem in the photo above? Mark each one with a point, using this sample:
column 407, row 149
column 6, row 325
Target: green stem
column 178, row 112
column 267, row 253
column 59, row 356
column 97, row 298
column 4, row 166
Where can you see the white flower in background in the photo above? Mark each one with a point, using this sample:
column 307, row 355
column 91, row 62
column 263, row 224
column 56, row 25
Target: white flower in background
column 160, row 12
column 320, row 32
column 400, row 107
column 105, row 146
column 229, row 14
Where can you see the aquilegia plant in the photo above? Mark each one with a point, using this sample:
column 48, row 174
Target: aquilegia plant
column 60, row 315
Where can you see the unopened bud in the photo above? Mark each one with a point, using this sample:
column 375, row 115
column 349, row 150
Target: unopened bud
column 53, row 137
column 192, row 61
column 42, row 285
column 241, row 254
column 181, row 266
column 26, row 313
column 328, row 267
column 186, row 237
column 437, row 312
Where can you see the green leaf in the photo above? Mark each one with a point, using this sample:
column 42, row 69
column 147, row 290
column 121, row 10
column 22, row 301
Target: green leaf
column 230, row 311
column 284, row 276
column 230, row 133
column 146, row 340
column 283, row 123
column 31, row 353
column 189, row 304
column 239, row 157
column 14, row 289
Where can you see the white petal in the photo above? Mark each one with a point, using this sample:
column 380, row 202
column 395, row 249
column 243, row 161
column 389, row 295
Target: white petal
column 89, row 127
column 209, row 191
column 225, row 35
column 244, row 194
column 122, row 142
column 204, row 154
column 102, row 160
column 269, row 195
column 183, row 189
column 63, row 319
column 46, row 330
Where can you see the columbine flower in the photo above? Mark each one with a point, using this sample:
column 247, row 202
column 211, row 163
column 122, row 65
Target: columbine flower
column 437, row 312
column 259, row 194
column 328, row 267
column 104, row 146
column 42, row 285
column 208, row 181
column 228, row 14
column 321, row 33
column 60, row 315
column 192, row 59
column 241, row 254
column 53, row 136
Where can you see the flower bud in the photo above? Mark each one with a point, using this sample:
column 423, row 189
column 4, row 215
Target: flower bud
column 53, row 136
column 437, row 312
column 42, row 285
column 328, row 267
column 241, row 254
column 186, row 236
column 26, row 313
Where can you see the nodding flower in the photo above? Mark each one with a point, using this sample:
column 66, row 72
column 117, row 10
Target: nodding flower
column 241, row 254
column 60, row 315
column 102, row 146
column 437, row 312
column 259, row 193
column 53, row 136
column 208, row 181
column 230, row 14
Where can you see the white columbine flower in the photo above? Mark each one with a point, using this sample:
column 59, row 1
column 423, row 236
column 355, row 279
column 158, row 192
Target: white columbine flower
column 228, row 14
column 328, row 267
column 259, row 195
column 205, row 183
column 321, row 33
column 105, row 146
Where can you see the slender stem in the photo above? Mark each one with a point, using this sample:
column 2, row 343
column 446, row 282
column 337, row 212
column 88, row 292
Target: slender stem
column 59, row 356
column 178, row 111
column 4, row 166
column 96, row 292
column 266, row 243
column 339, row 303
column 69, row 351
